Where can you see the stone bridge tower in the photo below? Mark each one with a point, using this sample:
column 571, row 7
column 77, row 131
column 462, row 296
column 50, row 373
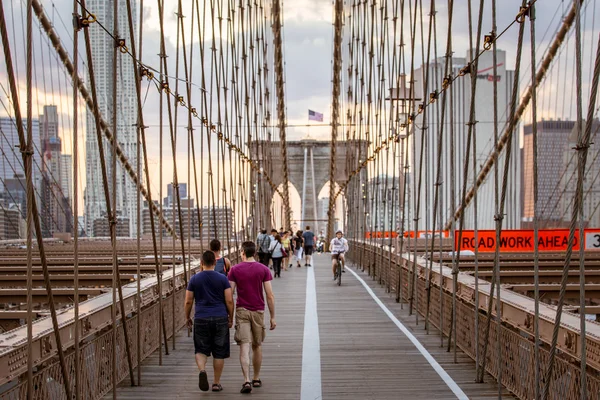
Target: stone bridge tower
column 308, row 171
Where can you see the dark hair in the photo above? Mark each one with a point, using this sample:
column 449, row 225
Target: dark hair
column 278, row 238
column 208, row 259
column 249, row 249
column 299, row 233
column 263, row 231
column 215, row 245
column 307, row 228
column 273, row 230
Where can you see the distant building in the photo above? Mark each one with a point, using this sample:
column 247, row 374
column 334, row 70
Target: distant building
column 553, row 141
column 102, row 227
column 591, row 183
column 12, row 224
column 189, row 215
column 223, row 216
column 12, row 171
column 102, row 48
column 66, row 175
column 385, row 191
column 170, row 199
column 484, row 107
column 56, row 211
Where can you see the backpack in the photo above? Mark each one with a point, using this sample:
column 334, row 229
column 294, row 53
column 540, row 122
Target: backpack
column 220, row 266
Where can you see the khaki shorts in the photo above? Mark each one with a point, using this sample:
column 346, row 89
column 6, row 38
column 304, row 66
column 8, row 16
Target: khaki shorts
column 249, row 327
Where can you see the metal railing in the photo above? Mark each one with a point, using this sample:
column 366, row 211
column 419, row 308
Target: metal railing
column 516, row 335
column 96, row 347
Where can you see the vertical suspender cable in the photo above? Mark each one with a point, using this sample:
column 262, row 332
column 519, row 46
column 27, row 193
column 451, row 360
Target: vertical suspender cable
column 113, row 216
column 26, row 147
column 162, row 320
column 280, row 83
column 75, row 177
column 175, row 181
column 335, row 111
column 138, row 143
column 536, row 260
column 27, row 163
column 500, row 211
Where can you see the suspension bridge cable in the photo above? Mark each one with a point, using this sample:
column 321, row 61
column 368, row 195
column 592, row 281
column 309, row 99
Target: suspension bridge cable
column 32, row 212
column 495, row 284
column 583, row 143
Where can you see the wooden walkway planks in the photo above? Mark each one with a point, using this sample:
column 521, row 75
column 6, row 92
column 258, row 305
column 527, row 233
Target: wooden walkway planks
column 363, row 354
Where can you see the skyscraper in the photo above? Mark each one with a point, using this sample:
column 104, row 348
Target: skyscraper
column 12, row 172
column 456, row 125
column 56, row 211
column 591, row 184
column 553, row 141
column 385, row 191
column 102, row 57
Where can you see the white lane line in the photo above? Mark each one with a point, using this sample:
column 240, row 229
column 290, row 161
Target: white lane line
column 311, row 346
column 437, row 367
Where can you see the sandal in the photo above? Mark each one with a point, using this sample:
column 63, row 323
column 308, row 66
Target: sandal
column 203, row 381
column 246, row 388
column 256, row 383
column 216, row 387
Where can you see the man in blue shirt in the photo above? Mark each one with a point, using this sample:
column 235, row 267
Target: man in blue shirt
column 213, row 317
column 309, row 244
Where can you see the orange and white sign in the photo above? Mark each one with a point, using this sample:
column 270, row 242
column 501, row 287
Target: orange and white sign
column 523, row 240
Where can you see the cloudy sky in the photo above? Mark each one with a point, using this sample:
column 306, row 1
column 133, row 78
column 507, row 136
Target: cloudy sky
column 308, row 38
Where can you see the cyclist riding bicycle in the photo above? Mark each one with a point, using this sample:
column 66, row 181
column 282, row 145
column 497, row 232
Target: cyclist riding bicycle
column 338, row 246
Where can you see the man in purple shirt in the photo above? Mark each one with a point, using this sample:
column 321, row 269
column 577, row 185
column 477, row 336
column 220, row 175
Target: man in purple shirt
column 250, row 278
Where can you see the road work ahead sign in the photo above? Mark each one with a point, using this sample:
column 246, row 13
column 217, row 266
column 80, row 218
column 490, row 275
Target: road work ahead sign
column 523, row 240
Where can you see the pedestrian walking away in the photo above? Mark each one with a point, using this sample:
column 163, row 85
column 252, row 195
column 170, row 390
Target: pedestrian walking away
column 213, row 316
column 309, row 245
column 263, row 241
column 298, row 247
column 223, row 264
column 276, row 251
column 251, row 279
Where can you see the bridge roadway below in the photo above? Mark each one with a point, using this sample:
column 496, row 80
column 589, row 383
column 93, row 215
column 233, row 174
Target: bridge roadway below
column 363, row 353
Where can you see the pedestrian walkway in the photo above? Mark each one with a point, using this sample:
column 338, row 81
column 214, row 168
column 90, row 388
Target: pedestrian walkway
column 349, row 349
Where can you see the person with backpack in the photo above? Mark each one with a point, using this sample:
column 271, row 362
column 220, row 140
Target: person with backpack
column 263, row 242
column 276, row 250
column 223, row 264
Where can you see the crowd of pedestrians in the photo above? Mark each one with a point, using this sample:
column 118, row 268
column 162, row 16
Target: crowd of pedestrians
column 278, row 249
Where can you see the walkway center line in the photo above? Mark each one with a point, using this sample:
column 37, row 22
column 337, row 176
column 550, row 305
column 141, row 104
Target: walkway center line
column 437, row 367
column 311, row 346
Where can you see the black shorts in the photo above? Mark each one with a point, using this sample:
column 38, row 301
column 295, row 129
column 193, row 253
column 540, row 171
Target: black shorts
column 308, row 250
column 337, row 256
column 211, row 336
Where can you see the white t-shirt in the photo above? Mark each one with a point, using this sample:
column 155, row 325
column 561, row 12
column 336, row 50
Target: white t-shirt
column 338, row 246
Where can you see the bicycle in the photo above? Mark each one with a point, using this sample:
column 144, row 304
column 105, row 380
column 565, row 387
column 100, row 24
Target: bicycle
column 338, row 270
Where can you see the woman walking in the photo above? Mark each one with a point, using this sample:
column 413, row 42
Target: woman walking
column 276, row 255
column 298, row 246
column 286, row 242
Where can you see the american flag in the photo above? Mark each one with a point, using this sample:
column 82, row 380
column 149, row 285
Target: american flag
column 315, row 116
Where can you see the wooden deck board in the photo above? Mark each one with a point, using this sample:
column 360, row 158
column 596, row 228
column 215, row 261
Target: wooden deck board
column 363, row 354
